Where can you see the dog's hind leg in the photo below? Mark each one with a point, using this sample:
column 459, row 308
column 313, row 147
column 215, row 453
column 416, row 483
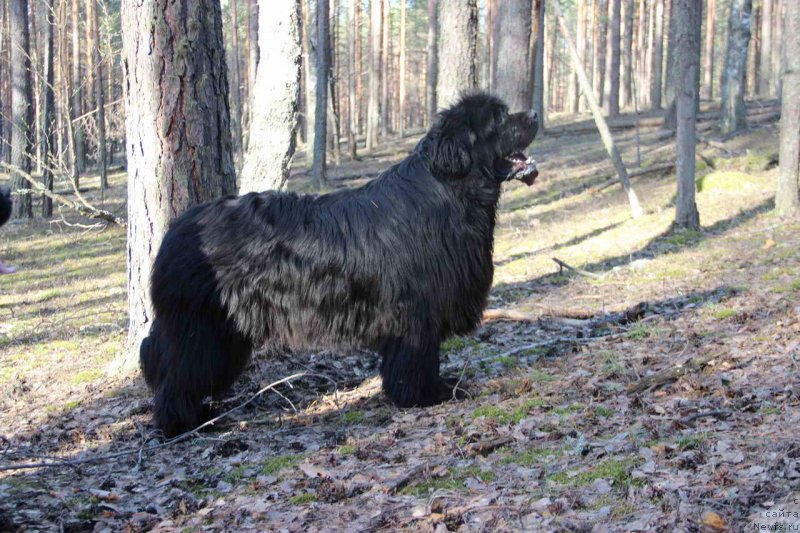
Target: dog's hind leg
column 410, row 369
column 201, row 357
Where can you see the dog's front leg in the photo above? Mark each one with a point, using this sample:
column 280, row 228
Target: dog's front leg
column 410, row 369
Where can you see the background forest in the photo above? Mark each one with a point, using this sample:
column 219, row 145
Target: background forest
column 637, row 367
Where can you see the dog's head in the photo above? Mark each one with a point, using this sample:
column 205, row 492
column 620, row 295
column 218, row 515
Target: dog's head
column 479, row 135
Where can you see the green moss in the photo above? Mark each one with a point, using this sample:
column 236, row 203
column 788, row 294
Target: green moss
column 508, row 415
column 457, row 344
column 86, row 376
column 639, row 331
column 615, row 471
column 725, row 313
column 275, row 464
column 682, row 237
column 532, row 456
column 347, row 449
column 352, row 417
column 690, row 442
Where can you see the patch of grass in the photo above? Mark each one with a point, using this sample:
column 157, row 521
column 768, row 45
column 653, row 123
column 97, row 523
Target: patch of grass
column 303, row 499
column 275, row 464
column 86, row 376
column 347, row 449
column 725, row 313
column 457, row 344
column 508, row 415
column 639, row 331
column 569, row 409
column 615, row 471
column 728, row 181
column 603, row 411
column 541, row 377
column 770, row 411
column 682, row 237
column 350, row 418
column 235, row 475
column 532, row 456
column 508, row 361
column 453, row 482
column 691, row 442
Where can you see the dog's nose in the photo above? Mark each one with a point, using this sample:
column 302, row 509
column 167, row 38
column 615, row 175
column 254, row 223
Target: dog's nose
column 533, row 115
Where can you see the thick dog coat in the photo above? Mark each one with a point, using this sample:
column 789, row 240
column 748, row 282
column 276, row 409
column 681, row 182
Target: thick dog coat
column 395, row 266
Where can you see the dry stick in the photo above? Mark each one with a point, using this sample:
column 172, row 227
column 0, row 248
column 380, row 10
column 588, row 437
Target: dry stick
column 671, row 374
column 602, row 126
column 174, row 440
column 562, row 265
column 83, row 207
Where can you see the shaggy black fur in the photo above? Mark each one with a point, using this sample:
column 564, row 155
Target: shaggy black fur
column 395, row 266
column 5, row 205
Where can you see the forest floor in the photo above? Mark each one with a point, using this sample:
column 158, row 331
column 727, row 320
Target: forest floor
column 585, row 410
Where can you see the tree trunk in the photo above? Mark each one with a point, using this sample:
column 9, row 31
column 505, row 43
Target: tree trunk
column 236, row 84
column 97, row 86
column 573, row 94
column 355, row 72
column 766, row 85
column 687, row 55
column 626, row 85
column 5, row 88
column 252, row 64
column 457, row 48
column 776, row 45
column 708, row 55
column 602, row 126
column 612, row 59
column 538, row 61
column 77, row 93
column 374, row 89
column 401, row 123
column 321, row 100
column 433, row 60
column 48, row 112
column 656, row 81
column 512, row 35
column 787, row 196
column 599, row 48
column 733, row 116
column 21, row 108
column 178, row 129
column 310, row 58
column 641, row 54
column 386, row 59
column 277, row 93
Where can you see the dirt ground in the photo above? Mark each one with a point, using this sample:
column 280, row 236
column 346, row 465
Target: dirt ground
column 653, row 387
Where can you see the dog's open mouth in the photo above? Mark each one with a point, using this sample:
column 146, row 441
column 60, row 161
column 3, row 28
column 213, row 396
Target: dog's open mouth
column 516, row 166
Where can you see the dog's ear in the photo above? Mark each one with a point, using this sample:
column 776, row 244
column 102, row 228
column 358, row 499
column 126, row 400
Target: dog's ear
column 447, row 148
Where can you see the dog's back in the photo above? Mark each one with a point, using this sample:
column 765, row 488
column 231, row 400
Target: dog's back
column 5, row 205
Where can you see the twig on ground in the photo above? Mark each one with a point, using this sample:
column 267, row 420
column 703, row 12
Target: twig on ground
column 671, row 374
column 578, row 271
column 485, row 447
column 410, row 476
column 715, row 413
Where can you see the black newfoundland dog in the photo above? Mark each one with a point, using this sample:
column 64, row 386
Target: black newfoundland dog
column 395, row 266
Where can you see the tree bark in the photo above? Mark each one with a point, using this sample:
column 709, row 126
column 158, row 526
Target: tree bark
column 538, row 61
column 512, row 35
column 374, row 88
column 457, row 48
column 597, row 112
column 48, row 112
column 573, row 93
column 252, row 64
column 776, row 45
column 708, row 54
column 276, row 93
column 766, row 85
column 641, row 54
column 321, row 100
column 401, row 123
column 77, row 94
column 178, row 130
column 612, row 59
column 656, row 81
column 787, row 196
column 236, row 84
column 626, row 83
column 97, row 86
column 21, row 108
column 386, row 59
column 599, row 49
column 733, row 116
column 433, row 60
column 310, row 58
column 687, row 55
column 355, row 72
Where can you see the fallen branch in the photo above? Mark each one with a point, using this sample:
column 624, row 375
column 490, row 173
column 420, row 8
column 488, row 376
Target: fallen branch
column 485, row 447
column 619, row 314
column 578, row 271
column 716, row 413
column 179, row 438
column 409, row 476
column 670, row 374
column 83, row 207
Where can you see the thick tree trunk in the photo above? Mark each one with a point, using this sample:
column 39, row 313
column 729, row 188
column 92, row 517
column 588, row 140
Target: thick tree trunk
column 573, row 94
column 457, row 48
column 323, row 74
column 597, row 112
column 787, row 196
column 401, row 123
column 733, row 116
column 276, row 93
column 641, row 55
column 48, row 112
column 626, row 75
column 708, row 54
column 537, row 36
column 97, row 86
column 776, row 45
column 374, row 88
column 687, row 55
column 310, row 58
column 766, row 85
column 355, row 72
column 599, row 49
column 178, row 129
column 512, row 35
column 252, row 64
column 21, row 108
column 433, row 60
column 386, row 60
column 612, row 59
